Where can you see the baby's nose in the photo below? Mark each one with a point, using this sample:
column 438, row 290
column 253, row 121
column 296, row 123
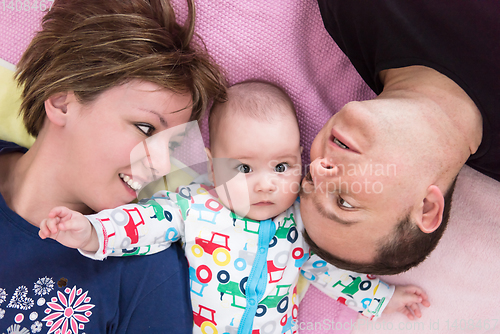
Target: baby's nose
column 266, row 184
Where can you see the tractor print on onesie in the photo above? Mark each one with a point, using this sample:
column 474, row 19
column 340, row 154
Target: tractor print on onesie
column 278, row 300
column 287, row 230
column 348, row 286
column 218, row 247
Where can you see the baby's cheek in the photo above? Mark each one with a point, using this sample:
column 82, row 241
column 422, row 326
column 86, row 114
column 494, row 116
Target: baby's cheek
column 291, row 185
column 288, row 194
column 235, row 198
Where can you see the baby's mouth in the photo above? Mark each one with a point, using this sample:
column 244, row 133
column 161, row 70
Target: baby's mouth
column 264, row 203
column 134, row 185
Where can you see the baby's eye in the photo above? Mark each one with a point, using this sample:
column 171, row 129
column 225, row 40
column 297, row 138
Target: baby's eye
column 344, row 204
column 281, row 167
column 145, row 128
column 245, row 169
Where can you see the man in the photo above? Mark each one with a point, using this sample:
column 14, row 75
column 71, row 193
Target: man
column 379, row 191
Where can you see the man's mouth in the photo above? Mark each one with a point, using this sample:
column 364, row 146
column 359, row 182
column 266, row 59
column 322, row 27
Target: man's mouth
column 134, row 185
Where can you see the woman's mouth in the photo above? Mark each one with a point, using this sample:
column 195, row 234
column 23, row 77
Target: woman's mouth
column 134, row 185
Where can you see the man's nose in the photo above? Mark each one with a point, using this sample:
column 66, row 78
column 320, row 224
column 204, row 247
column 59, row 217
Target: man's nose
column 323, row 172
column 322, row 167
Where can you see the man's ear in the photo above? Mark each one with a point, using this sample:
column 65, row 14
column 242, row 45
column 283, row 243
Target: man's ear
column 56, row 107
column 210, row 167
column 432, row 210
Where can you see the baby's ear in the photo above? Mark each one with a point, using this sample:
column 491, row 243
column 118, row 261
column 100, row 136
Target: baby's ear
column 210, row 166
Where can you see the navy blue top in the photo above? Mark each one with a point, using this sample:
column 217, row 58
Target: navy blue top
column 45, row 287
column 459, row 38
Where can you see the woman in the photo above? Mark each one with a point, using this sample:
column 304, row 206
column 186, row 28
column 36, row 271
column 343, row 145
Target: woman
column 100, row 78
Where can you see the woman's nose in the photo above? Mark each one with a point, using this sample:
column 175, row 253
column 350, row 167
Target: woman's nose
column 150, row 160
column 157, row 162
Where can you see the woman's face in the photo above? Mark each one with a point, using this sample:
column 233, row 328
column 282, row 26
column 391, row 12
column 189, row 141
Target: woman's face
column 102, row 134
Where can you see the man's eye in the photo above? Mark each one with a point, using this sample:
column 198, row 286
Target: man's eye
column 341, row 144
column 281, row 167
column 245, row 169
column 145, row 128
column 344, row 204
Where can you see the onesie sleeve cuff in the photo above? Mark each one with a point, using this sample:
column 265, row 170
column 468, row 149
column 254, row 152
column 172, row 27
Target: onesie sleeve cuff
column 104, row 229
column 380, row 300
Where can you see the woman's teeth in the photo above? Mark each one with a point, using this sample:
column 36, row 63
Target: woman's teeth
column 131, row 183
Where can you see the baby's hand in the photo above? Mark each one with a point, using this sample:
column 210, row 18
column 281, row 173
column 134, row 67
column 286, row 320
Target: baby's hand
column 406, row 299
column 70, row 228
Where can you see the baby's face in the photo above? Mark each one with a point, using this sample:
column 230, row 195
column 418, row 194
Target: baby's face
column 257, row 165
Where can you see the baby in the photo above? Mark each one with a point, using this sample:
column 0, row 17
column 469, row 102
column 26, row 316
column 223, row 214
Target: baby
column 242, row 237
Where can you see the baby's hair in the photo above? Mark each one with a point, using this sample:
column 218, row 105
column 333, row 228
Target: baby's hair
column 256, row 99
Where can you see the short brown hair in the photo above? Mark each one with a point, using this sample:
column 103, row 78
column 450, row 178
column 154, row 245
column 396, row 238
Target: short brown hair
column 89, row 46
column 408, row 247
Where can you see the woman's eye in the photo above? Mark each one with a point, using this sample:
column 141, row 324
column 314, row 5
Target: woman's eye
column 344, row 204
column 147, row 129
column 281, row 167
column 245, row 169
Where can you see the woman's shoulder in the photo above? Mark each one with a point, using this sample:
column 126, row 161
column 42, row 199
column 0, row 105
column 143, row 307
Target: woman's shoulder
column 9, row 154
column 9, row 147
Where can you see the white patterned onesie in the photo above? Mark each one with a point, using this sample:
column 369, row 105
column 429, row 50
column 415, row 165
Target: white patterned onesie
column 243, row 273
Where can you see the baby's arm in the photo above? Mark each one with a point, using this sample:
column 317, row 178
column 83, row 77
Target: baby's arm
column 363, row 293
column 144, row 228
column 406, row 299
column 132, row 229
column 70, row 228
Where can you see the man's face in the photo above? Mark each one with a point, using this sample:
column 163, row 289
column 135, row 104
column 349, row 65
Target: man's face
column 358, row 187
